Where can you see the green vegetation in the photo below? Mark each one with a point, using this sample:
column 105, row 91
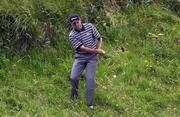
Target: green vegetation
column 139, row 76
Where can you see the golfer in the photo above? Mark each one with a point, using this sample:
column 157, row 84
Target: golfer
column 83, row 38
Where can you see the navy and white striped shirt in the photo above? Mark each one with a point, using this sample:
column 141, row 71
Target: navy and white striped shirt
column 87, row 37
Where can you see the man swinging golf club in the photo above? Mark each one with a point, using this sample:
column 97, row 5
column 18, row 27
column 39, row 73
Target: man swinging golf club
column 83, row 38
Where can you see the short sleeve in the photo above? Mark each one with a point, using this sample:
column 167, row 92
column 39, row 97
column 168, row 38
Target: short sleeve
column 96, row 34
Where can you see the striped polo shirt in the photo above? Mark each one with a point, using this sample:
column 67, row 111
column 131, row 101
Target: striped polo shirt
column 87, row 37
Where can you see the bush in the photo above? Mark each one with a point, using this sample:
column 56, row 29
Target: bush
column 16, row 35
column 174, row 5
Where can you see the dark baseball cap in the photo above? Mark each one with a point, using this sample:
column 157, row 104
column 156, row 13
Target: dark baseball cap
column 74, row 18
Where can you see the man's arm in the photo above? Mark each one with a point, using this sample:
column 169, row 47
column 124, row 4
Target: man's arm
column 90, row 50
column 100, row 43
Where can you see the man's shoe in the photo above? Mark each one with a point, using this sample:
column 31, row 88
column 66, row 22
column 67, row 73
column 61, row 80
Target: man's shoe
column 91, row 106
column 74, row 97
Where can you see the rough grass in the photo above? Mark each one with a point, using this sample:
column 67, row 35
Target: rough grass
column 147, row 82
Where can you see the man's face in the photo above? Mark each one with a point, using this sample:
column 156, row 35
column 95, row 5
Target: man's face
column 77, row 24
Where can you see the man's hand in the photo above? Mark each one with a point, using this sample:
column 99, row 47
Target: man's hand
column 100, row 51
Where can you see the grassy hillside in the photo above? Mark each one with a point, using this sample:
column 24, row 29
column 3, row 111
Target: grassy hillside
column 36, row 82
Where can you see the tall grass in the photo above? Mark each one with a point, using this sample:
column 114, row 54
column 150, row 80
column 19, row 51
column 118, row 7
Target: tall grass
column 41, row 24
column 139, row 76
